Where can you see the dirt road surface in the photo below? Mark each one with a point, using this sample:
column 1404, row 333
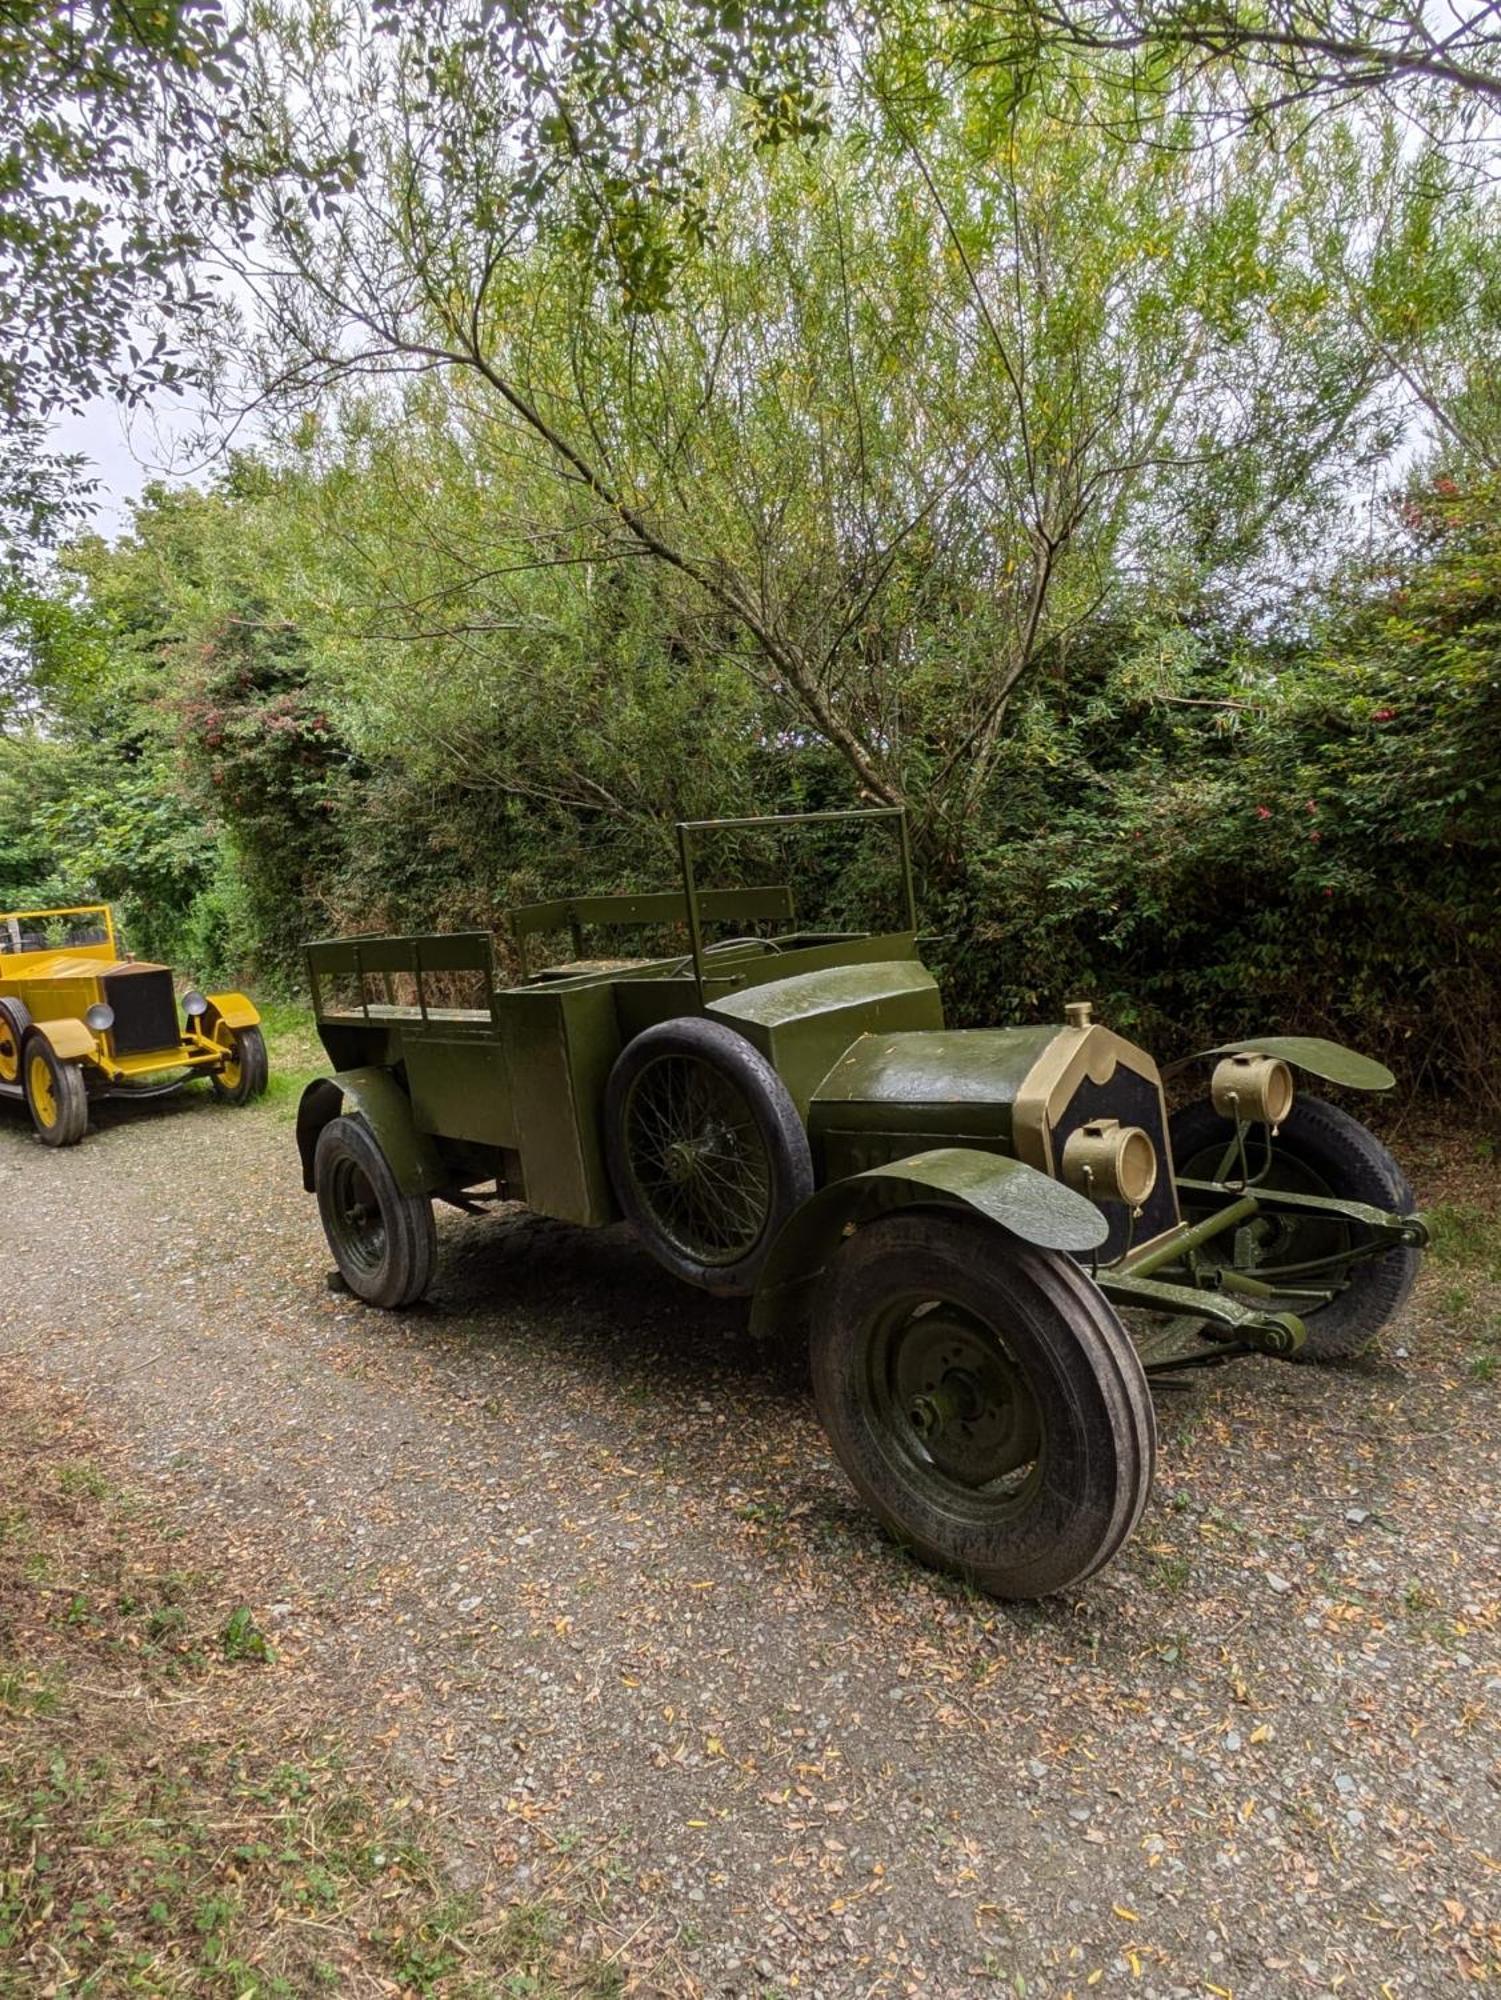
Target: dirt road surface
column 571, row 1547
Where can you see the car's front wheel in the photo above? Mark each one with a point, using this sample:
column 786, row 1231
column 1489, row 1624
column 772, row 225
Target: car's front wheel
column 242, row 1075
column 984, row 1399
column 384, row 1241
column 56, row 1095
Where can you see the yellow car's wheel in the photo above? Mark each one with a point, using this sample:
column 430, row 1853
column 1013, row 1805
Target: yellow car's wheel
column 14, row 1021
column 55, row 1093
column 242, row 1074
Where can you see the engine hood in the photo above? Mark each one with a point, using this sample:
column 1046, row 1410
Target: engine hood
column 1020, row 1091
column 949, row 1080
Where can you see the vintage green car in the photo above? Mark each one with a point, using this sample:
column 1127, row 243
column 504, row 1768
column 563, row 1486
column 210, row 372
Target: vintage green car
column 960, row 1217
column 80, row 1020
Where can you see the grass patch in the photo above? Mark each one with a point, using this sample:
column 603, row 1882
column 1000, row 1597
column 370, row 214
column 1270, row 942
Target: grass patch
column 293, row 1051
column 173, row 1821
column 1467, row 1237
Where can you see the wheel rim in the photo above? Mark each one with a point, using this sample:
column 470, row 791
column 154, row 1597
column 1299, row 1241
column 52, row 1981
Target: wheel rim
column 953, row 1406
column 1278, row 1245
column 358, row 1226
column 232, row 1068
column 41, row 1091
column 696, row 1160
column 10, row 1051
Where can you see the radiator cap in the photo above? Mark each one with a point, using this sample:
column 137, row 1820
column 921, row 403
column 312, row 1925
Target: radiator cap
column 1079, row 1013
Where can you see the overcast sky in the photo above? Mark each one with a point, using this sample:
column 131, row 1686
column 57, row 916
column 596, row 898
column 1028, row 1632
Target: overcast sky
column 126, row 452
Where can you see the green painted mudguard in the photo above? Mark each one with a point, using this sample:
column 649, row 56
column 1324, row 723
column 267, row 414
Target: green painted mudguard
column 1329, row 1060
column 1007, row 1192
column 386, row 1109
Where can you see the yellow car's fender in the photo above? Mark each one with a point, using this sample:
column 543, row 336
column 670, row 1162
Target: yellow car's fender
column 233, row 1009
column 70, row 1040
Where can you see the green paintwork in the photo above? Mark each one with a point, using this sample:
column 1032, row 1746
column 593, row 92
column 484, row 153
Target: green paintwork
column 1273, row 1333
column 472, row 1086
column 893, row 1094
column 1329, row 1060
column 560, row 1046
column 1177, row 1246
column 804, row 1024
column 1004, row 1191
column 387, row 1110
column 1381, row 1222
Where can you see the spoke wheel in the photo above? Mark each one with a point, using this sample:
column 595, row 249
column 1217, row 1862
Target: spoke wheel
column 383, row 1240
column 706, row 1151
column 697, row 1160
column 56, row 1095
column 1318, row 1150
column 984, row 1399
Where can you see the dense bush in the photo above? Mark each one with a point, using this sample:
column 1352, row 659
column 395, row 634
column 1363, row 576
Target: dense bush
column 988, row 453
column 1304, row 834
column 1204, row 830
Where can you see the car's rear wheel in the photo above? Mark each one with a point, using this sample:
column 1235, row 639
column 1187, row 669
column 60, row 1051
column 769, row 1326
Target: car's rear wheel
column 384, row 1241
column 984, row 1399
column 706, row 1151
column 56, row 1095
column 242, row 1075
column 1320, row 1150
column 15, row 1019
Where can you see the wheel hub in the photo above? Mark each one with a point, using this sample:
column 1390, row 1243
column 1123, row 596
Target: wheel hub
column 966, row 1405
column 681, row 1161
column 696, row 1161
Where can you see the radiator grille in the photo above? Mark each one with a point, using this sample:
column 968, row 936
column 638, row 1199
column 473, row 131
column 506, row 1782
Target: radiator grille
column 1134, row 1100
column 145, row 1011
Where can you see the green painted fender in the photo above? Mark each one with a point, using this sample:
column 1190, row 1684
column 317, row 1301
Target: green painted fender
column 1007, row 1192
column 386, row 1109
column 1329, row 1060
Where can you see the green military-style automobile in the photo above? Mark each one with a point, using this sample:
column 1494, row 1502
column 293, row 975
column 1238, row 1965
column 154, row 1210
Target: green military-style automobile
column 996, row 1238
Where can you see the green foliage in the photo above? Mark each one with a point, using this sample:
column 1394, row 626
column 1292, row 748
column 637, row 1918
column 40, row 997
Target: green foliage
column 970, row 438
column 1280, row 833
column 258, row 747
column 243, row 1639
column 108, row 164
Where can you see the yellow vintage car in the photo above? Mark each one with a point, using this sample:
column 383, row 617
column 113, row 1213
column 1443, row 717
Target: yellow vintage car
column 78, row 1019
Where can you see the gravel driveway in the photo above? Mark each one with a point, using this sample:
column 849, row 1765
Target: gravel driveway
column 573, row 1549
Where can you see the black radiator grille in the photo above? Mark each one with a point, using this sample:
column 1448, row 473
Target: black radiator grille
column 1134, row 1100
column 145, row 1012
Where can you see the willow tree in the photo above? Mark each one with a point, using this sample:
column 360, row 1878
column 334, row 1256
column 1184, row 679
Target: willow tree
column 890, row 408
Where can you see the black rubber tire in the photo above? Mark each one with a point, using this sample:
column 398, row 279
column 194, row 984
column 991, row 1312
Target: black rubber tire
column 779, row 1132
column 391, row 1262
column 1353, row 1165
column 1098, row 1438
column 70, row 1097
column 15, row 1019
column 252, row 1065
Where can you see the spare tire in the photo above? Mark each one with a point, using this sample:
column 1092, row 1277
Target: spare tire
column 1318, row 1149
column 706, row 1152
